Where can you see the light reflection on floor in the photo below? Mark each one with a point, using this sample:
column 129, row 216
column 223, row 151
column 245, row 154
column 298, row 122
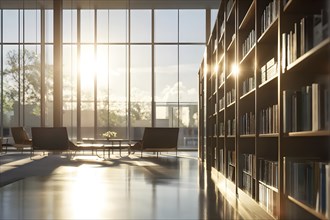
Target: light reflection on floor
column 121, row 188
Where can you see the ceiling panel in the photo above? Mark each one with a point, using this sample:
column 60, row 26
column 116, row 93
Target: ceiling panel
column 113, row 4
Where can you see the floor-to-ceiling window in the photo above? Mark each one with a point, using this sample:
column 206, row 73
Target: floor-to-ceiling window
column 26, row 68
column 123, row 70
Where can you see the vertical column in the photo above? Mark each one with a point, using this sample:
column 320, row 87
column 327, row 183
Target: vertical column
column 1, row 69
column 153, row 106
column 78, row 77
column 207, row 25
column 95, row 73
column 42, row 59
column 58, row 5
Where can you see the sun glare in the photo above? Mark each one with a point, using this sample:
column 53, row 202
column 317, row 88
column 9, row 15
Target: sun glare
column 87, row 70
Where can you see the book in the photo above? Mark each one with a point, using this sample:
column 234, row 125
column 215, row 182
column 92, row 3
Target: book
column 306, row 108
column 317, row 29
column 316, row 125
column 287, row 110
column 327, row 188
column 284, row 52
column 296, row 111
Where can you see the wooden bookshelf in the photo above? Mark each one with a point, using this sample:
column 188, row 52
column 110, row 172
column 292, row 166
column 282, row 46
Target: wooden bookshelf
column 263, row 38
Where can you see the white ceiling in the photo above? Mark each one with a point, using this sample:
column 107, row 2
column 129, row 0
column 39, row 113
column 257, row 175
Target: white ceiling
column 113, row 4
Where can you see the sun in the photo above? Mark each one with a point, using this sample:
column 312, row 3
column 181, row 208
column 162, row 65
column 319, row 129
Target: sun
column 88, row 68
column 93, row 65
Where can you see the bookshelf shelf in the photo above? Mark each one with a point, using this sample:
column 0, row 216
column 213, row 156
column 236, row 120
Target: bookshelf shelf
column 247, row 136
column 248, row 93
column 307, row 208
column 221, row 85
column 270, row 33
column 268, row 81
column 249, row 54
column 231, row 10
column 231, row 104
column 313, row 56
column 248, row 16
column 232, row 43
column 271, row 135
column 254, row 36
column 309, row 133
column 247, row 173
column 221, row 58
column 268, row 186
column 230, row 75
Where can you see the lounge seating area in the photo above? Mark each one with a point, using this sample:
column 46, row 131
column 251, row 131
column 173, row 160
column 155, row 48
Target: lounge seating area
column 55, row 139
column 158, row 140
column 21, row 139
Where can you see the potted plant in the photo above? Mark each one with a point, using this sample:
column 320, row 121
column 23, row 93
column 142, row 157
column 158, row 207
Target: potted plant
column 109, row 134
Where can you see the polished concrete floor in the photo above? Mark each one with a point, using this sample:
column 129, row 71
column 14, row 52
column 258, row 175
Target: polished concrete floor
column 129, row 187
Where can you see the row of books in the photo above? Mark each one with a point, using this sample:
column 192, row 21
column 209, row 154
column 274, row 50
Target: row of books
column 267, row 199
column 249, row 42
column 269, row 70
column 248, row 85
column 308, row 181
column 231, row 96
column 269, row 15
column 268, row 172
column 231, row 157
column 221, row 103
column 230, row 4
column 247, row 125
column 231, row 127
column 307, row 109
column 221, row 78
column 221, row 164
column 306, row 34
column 268, row 123
column 231, row 173
column 248, row 183
column 247, row 161
column 222, row 29
column 221, row 129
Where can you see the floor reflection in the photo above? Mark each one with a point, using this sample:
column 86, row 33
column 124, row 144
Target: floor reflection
column 122, row 188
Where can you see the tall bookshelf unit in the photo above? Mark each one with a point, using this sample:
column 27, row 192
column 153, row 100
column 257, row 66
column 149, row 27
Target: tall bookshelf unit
column 265, row 82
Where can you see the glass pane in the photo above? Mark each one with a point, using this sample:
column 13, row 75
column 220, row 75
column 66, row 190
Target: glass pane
column 166, row 25
column 87, row 72
column 49, row 88
column 10, row 87
column 31, row 85
column 140, row 89
column 214, row 14
column 69, row 26
column 118, row 26
column 70, row 89
column 49, row 26
column 102, row 26
column 10, row 26
column 32, row 26
column 0, row 31
column 118, row 89
column 190, row 58
column 87, row 26
column 192, row 26
column 102, row 89
column 166, row 85
column 140, row 26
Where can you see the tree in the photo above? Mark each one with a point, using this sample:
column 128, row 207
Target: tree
column 22, row 81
